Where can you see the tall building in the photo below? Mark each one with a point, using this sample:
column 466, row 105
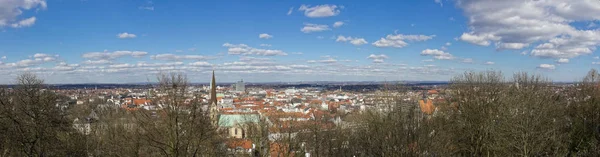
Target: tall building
column 214, row 111
column 240, row 86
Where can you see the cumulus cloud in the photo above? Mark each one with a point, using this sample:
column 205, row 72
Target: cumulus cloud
column 243, row 49
column 437, row 54
column 10, row 10
column 320, row 10
column 38, row 58
column 377, row 58
column 516, row 24
column 96, row 62
column 489, row 63
column 562, row 61
column 338, row 24
column 400, row 40
column 173, row 57
column 328, row 60
column 124, row 65
column 265, row 45
column 427, row 60
column 254, row 59
column 113, row 55
column 24, row 23
column 546, row 66
column 265, row 36
column 309, row 28
column 353, row 41
column 201, row 64
column 125, row 35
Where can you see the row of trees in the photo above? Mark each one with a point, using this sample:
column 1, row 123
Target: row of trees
column 484, row 114
column 37, row 122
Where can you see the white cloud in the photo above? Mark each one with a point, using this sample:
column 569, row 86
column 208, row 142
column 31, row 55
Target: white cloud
column 297, row 53
column 147, row 6
column 353, row 41
column 125, row 65
column 328, row 60
column 151, row 8
column 38, row 58
column 254, row 59
column 427, row 60
column 173, row 57
column 202, row 64
column 290, row 11
column 437, row 54
column 265, row 36
column 265, row 45
column 113, row 55
column 24, row 23
column 309, row 27
column 597, row 57
column 467, row 60
column 439, row 2
column 95, row 62
column 3, row 57
column 41, row 55
column 192, row 49
column 125, row 35
column 10, row 10
column 320, row 10
column 524, row 53
column 338, row 24
column 562, row 61
column 374, row 56
column 243, row 49
column 547, row 66
column 399, row 40
column 378, row 58
column 516, row 24
column 489, row 63
column 448, row 44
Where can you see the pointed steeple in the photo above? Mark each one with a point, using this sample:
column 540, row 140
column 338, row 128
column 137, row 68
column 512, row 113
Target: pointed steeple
column 213, row 90
column 214, row 115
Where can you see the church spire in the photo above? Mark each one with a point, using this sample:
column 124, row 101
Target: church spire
column 213, row 101
column 213, row 90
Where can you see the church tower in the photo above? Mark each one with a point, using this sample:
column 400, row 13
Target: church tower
column 213, row 108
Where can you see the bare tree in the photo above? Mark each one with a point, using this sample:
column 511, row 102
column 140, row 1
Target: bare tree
column 180, row 127
column 33, row 124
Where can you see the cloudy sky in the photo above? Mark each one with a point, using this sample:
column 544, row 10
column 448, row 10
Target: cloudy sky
column 117, row 41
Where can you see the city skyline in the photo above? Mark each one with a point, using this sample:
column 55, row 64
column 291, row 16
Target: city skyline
column 271, row 41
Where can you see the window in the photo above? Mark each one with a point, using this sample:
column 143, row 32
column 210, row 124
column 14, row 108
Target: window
column 235, row 131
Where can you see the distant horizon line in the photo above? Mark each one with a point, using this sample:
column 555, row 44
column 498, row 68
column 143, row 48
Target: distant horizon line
column 278, row 82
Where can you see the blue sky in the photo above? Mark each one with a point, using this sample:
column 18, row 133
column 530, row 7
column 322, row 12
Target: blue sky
column 116, row 41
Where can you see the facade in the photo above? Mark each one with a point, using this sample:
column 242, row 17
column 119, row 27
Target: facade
column 235, row 124
column 240, row 86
